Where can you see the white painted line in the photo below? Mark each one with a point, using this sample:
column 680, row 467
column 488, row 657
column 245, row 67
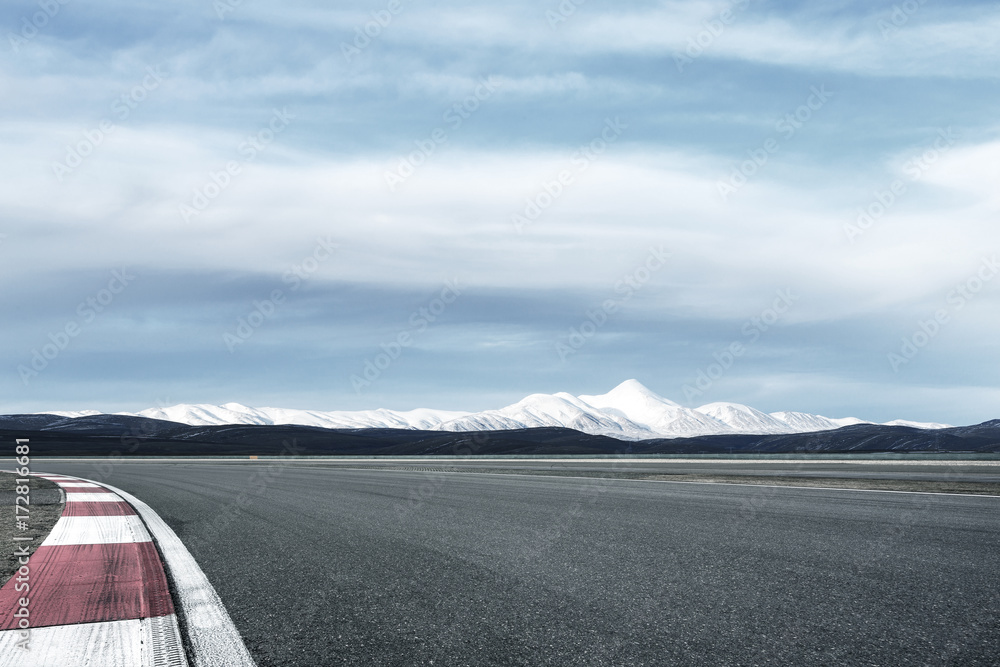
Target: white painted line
column 97, row 530
column 212, row 638
column 818, row 488
column 674, row 481
column 92, row 498
column 144, row 642
column 82, row 485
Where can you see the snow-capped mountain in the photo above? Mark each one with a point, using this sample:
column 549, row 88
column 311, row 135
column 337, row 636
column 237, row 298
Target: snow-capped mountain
column 906, row 422
column 630, row 411
column 234, row 413
column 744, row 419
column 804, row 422
column 560, row 410
column 657, row 414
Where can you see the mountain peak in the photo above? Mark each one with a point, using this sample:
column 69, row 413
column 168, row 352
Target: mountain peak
column 630, row 398
column 635, row 390
column 631, row 386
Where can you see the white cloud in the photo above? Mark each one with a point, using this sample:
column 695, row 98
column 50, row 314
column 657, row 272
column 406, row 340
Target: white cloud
column 454, row 216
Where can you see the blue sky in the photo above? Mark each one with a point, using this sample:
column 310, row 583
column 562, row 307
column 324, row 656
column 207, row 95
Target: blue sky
column 784, row 205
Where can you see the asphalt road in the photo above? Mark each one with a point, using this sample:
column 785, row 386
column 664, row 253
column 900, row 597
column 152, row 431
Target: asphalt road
column 330, row 566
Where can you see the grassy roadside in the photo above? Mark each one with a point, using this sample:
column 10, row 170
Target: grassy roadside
column 976, row 488
column 43, row 512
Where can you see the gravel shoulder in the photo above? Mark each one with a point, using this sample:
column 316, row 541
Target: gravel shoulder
column 45, row 508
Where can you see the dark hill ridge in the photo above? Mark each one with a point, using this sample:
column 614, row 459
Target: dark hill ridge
column 104, row 435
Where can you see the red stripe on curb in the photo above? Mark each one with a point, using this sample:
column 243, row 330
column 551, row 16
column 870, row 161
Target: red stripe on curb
column 98, row 509
column 89, row 583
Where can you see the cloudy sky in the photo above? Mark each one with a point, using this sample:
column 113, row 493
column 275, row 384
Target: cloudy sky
column 398, row 204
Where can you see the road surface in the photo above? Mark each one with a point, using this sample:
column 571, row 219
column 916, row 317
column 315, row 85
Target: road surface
column 322, row 565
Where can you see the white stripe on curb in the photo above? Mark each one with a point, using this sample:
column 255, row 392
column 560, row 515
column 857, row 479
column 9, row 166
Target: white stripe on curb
column 146, row 642
column 92, row 498
column 97, row 530
column 212, row 638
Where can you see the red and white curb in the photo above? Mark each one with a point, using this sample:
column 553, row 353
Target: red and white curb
column 99, row 595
